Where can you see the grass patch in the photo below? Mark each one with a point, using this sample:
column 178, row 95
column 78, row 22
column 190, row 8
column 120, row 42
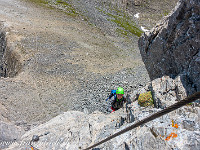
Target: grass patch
column 125, row 22
column 122, row 32
column 166, row 13
column 66, row 7
column 69, row 9
column 38, row 1
column 127, row 26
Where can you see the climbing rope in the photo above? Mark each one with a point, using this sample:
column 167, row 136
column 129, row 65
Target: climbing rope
column 173, row 107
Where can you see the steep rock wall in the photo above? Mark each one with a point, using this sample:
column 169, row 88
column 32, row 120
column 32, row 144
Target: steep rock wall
column 74, row 130
column 10, row 64
column 172, row 47
column 2, row 50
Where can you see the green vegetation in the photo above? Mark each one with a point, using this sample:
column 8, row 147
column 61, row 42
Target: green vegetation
column 166, row 13
column 127, row 25
column 68, row 7
column 145, row 99
column 39, row 1
column 122, row 31
column 125, row 22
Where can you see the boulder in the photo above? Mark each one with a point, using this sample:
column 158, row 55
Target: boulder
column 10, row 133
column 167, row 91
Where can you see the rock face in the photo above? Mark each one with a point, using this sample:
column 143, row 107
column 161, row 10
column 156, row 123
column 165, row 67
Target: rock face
column 172, row 47
column 167, row 91
column 9, row 132
column 9, row 60
column 75, row 130
column 2, row 50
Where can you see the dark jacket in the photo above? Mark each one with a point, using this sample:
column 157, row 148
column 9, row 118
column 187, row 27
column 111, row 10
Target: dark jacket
column 117, row 104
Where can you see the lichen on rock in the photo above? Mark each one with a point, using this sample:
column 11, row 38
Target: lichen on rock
column 145, row 99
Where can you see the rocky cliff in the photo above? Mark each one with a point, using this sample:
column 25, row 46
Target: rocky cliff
column 76, row 130
column 172, row 47
column 10, row 63
column 2, row 50
column 177, row 130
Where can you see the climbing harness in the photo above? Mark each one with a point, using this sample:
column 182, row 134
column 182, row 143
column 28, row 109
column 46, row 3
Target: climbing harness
column 167, row 110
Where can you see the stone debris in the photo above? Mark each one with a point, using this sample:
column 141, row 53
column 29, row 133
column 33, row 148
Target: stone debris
column 172, row 61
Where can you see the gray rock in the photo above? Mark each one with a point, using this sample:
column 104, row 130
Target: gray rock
column 2, row 51
column 161, row 94
column 189, row 125
column 74, row 130
column 172, row 47
column 9, row 133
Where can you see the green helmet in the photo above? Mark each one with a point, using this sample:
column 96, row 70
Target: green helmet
column 120, row 90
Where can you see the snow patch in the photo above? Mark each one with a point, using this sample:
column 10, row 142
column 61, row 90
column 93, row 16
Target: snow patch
column 143, row 29
column 136, row 15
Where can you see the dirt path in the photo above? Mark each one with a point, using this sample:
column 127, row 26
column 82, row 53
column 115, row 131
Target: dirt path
column 65, row 63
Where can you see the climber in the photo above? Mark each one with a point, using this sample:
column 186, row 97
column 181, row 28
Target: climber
column 119, row 98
